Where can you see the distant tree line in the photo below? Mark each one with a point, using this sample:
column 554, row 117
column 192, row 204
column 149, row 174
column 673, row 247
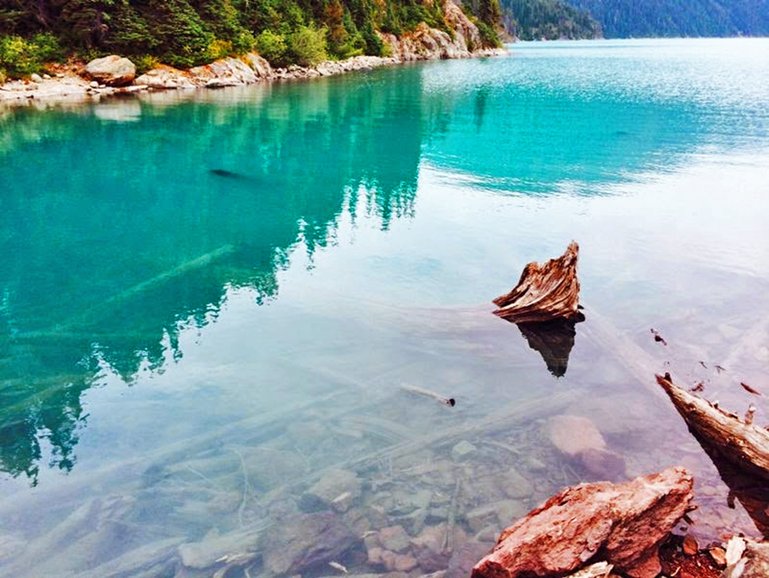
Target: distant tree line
column 185, row 33
column 674, row 18
column 548, row 19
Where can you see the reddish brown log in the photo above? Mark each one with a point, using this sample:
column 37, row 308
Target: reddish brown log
column 622, row 524
column 544, row 292
column 743, row 444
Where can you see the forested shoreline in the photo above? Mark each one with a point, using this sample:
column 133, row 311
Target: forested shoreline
column 186, row 33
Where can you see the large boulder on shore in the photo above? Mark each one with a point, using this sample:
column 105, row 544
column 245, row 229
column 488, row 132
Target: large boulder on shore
column 622, row 524
column 112, row 70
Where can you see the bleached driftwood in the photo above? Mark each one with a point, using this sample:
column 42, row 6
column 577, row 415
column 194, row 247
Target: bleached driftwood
column 544, row 292
column 744, row 445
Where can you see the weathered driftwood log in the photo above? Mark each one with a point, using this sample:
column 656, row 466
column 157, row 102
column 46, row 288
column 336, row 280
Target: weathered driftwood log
column 544, row 292
column 622, row 524
column 743, row 444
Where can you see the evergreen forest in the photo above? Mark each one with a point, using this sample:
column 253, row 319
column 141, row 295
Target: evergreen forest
column 679, row 18
column 186, row 33
column 548, row 20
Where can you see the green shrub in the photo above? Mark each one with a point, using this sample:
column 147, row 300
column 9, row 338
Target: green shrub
column 307, row 45
column 489, row 36
column 20, row 57
column 272, row 46
column 46, row 48
column 243, row 42
column 219, row 49
column 144, row 62
column 182, row 37
column 129, row 32
column 374, row 44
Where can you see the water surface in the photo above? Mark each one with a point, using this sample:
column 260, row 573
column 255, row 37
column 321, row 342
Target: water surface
column 212, row 300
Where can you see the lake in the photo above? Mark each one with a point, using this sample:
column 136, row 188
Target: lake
column 216, row 306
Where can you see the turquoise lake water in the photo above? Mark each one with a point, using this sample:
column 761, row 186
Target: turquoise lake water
column 211, row 302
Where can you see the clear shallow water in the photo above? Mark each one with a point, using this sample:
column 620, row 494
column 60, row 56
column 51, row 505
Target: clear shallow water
column 183, row 354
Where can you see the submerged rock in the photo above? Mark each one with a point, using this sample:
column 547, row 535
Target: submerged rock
column 577, row 437
column 623, row 524
column 337, row 489
column 462, row 450
column 463, row 558
column 304, row 541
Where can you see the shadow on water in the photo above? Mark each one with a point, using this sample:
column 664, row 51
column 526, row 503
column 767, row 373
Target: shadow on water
column 117, row 234
column 553, row 340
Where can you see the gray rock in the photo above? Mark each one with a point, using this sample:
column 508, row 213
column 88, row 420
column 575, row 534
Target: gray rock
column 213, row 546
column 305, row 541
column 500, row 514
column 604, row 464
column 515, row 485
column 394, row 538
column 165, row 77
column 428, row 547
column 337, row 489
column 111, row 70
column 464, row 558
column 34, row 77
column 259, row 65
column 406, row 502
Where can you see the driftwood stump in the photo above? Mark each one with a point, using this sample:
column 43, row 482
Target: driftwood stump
column 544, row 292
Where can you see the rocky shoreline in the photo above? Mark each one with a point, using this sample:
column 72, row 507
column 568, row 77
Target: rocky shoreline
column 78, row 82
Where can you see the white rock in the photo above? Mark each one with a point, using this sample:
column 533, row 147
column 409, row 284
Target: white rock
column 462, row 450
column 111, row 70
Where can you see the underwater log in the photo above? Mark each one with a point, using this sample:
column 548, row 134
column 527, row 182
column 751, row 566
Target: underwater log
column 544, row 292
column 738, row 441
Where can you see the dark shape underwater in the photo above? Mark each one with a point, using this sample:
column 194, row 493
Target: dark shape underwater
column 224, row 173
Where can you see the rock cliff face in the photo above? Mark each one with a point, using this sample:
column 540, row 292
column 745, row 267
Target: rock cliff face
column 427, row 43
